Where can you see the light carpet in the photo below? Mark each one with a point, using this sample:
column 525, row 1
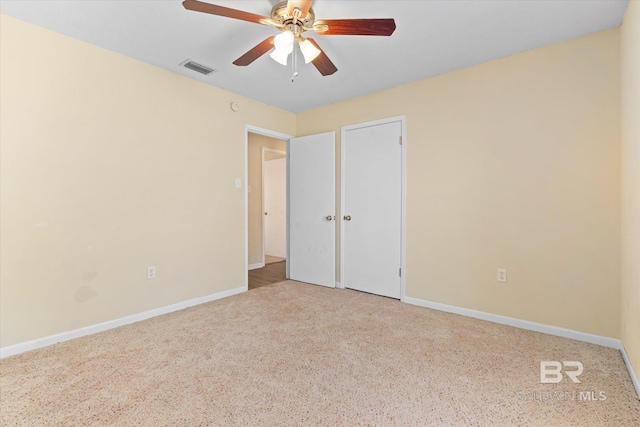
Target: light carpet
column 297, row 354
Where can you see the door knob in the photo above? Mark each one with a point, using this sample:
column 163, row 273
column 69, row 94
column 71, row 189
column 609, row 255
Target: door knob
column 347, row 217
column 328, row 217
column 265, row 213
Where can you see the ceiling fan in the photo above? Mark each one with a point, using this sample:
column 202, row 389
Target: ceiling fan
column 294, row 18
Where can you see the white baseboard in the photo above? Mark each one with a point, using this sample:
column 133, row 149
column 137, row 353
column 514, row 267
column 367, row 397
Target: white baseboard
column 533, row 326
column 632, row 374
column 338, row 285
column 257, row 265
column 518, row 323
column 11, row 350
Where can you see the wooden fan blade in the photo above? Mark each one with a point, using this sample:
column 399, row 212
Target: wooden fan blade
column 256, row 52
column 358, row 27
column 322, row 61
column 303, row 5
column 199, row 6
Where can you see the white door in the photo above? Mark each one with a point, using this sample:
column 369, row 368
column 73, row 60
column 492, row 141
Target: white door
column 372, row 209
column 275, row 207
column 312, row 209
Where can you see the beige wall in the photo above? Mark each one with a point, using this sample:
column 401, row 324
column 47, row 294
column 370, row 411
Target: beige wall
column 630, row 85
column 256, row 143
column 512, row 164
column 109, row 165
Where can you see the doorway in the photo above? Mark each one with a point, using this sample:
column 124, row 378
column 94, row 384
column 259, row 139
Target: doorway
column 265, row 192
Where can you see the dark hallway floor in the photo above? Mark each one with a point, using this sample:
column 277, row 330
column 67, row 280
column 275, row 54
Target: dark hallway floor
column 267, row 275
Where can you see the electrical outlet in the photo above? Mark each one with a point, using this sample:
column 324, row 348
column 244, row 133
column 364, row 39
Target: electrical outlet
column 502, row 275
column 151, row 272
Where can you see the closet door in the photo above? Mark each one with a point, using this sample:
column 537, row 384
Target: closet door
column 312, row 232
column 372, row 209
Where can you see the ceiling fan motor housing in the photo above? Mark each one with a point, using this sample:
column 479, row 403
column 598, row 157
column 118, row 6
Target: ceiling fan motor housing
column 281, row 16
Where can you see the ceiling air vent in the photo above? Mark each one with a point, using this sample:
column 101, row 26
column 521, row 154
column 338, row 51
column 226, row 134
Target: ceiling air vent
column 202, row 69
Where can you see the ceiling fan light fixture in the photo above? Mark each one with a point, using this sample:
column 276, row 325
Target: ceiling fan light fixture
column 309, row 51
column 280, row 56
column 284, row 41
column 284, row 46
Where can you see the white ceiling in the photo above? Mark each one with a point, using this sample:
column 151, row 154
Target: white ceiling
column 432, row 37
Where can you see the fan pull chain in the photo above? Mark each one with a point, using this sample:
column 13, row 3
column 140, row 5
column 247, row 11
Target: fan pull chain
column 294, row 64
column 296, row 15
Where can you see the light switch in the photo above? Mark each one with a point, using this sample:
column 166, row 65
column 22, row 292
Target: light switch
column 238, row 183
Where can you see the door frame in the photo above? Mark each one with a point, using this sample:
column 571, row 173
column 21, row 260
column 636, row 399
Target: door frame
column 273, row 134
column 271, row 150
column 403, row 193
